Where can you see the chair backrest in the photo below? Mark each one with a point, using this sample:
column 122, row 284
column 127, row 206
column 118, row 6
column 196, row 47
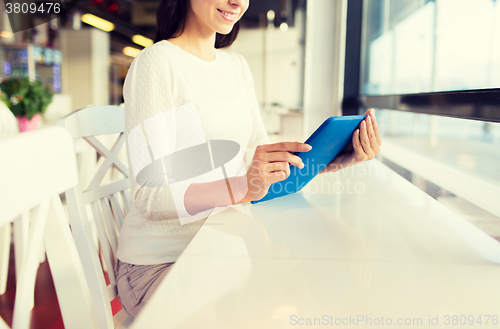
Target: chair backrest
column 109, row 203
column 8, row 122
column 35, row 168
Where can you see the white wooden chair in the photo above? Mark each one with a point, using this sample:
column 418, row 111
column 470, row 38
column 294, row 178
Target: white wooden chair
column 8, row 122
column 35, row 168
column 109, row 204
column 8, row 128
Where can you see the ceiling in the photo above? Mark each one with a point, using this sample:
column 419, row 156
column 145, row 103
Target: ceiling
column 119, row 12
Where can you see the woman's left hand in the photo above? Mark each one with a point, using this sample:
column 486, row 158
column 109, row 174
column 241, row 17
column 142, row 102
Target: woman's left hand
column 365, row 145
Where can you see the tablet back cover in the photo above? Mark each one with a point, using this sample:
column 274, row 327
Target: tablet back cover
column 327, row 141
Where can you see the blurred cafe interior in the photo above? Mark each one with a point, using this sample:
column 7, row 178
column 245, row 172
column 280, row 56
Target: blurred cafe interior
column 412, row 234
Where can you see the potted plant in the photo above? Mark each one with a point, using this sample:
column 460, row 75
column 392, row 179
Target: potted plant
column 27, row 100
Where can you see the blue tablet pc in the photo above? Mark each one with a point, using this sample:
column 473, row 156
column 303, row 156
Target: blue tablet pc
column 327, row 142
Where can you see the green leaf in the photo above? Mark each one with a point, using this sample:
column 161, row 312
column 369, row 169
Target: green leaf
column 35, row 96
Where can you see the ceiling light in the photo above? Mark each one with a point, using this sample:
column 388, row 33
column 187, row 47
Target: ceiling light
column 141, row 40
column 6, row 34
column 98, row 22
column 270, row 15
column 131, row 51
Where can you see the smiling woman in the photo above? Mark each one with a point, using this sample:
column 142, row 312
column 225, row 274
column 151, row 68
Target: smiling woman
column 172, row 19
column 179, row 77
column 184, row 95
column 231, row 17
column 211, row 12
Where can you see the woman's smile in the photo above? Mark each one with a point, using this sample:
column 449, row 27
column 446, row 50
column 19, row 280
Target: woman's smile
column 218, row 16
column 229, row 16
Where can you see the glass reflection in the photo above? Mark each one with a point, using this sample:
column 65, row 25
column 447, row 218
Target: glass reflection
column 417, row 46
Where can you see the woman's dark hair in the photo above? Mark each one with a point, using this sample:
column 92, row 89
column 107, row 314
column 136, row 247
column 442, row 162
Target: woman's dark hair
column 171, row 17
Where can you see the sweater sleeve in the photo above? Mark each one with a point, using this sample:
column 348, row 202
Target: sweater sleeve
column 259, row 134
column 149, row 113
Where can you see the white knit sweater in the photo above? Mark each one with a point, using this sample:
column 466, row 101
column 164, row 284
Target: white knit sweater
column 163, row 85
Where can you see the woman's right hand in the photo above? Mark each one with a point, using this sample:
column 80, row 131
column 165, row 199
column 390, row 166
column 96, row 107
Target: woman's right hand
column 271, row 163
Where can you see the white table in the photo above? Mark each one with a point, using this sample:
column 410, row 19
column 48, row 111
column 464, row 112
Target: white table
column 389, row 251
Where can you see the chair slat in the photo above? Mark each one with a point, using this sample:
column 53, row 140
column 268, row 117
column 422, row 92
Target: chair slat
column 92, row 225
column 26, row 278
column 87, row 249
column 117, row 211
column 112, row 291
column 101, row 230
column 103, row 191
column 126, row 200
column 67, row 271
column 110, row 159
column 109, row 223
column 116, row 150
column 94, row 120
column 21, row 229
column 5, row 233
column 104, row 165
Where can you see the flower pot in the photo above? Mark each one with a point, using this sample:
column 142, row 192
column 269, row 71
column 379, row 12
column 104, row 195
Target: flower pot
column 27, row 125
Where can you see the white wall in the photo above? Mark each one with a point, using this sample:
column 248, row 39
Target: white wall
column 85, row 66
column 277, row 79
column 324, row 61
column 279, row 83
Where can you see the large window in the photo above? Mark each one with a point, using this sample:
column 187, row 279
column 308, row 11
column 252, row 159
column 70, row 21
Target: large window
column 414, row 46
column 432, row 70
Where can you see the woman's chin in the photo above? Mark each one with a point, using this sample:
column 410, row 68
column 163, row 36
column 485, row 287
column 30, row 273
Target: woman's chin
column 225, row 29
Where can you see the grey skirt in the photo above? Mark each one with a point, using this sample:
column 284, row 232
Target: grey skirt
column 136, row 284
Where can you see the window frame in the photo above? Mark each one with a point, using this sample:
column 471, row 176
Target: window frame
column 477, row 104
